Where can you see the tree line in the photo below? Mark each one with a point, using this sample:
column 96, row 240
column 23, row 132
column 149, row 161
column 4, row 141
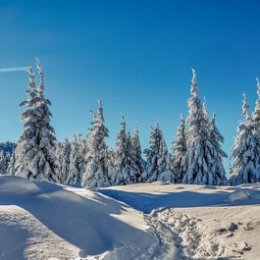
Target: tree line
column 196, row 156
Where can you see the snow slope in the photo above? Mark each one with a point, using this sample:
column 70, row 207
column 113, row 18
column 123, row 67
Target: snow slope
column 199, row 222
column 43, row 221
column 46, row 221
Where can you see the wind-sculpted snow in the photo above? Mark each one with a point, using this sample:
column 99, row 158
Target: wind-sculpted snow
column 42, row 220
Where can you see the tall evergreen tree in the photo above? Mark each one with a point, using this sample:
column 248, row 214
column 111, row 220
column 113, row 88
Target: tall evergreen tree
column 96, row 171
column 200, row 156
column 137, row 156
column 245, row 151
column 256, row 113
column 63, row 154
column 124, row 166
column 256, row 132
column 47, row 137
column 77, row 161
column 217, row 171
column 216, row 139
column 179, row 148
column 110, row 165
column 158, row 159
column 121, row 157
column 35, row 156
column 27, row 145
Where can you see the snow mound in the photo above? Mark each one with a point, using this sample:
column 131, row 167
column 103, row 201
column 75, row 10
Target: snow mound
column 42, row 221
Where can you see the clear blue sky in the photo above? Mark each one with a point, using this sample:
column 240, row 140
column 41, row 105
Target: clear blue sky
column 134, row 55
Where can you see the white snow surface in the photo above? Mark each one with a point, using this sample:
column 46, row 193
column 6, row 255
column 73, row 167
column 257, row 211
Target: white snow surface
column 141, row 221
column 47, row 221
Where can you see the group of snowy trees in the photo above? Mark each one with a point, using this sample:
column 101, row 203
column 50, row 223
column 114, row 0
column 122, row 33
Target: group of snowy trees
column 246, row 149
column 196, row 157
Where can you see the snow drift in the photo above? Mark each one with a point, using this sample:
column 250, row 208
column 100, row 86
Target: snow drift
column 44, row 221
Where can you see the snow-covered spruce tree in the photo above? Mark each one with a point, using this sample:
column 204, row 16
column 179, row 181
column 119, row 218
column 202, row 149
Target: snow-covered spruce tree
column 256, row 131
column 245, row 151
column 35, row 156
column 73, row 176
column 179, row 148
column 217, row 167
column 158, row 159
column 256, row 113
column 201, row 155
column 124, row 166
column 26, row 148
column 110, row 165
column 63, row 154
column 77, row 161
column 83, row 150
column 121, row 159
column 137, row 156
column 217, row 153
column 96, row 170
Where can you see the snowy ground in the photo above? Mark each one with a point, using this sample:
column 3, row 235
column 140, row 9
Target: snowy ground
column 143, row 221
column 199, row 222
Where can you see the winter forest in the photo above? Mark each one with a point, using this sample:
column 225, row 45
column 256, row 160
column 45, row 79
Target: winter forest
column 195, row 155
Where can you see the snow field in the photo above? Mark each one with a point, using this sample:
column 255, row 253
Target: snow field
column 43, row 221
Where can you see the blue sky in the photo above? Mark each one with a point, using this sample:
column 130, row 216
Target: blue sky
column 134, row 55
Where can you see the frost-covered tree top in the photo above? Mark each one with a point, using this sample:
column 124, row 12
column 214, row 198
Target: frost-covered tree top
column 196, row 117
column 194, row 86
column 32, row 100
column 98, row 130
column 256, row 113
